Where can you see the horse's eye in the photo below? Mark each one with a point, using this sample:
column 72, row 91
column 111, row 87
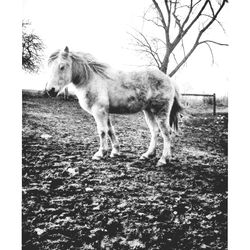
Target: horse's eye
column 62, row 67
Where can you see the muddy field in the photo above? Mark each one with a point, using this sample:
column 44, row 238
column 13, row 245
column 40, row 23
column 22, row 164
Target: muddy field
column 72, row 202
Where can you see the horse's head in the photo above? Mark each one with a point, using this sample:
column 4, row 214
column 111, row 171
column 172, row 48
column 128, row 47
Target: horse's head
column 60, row 72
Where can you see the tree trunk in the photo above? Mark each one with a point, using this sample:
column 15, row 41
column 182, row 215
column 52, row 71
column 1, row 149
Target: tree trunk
column 164, row 65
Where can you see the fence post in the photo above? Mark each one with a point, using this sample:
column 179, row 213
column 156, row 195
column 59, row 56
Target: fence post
column 66, row 93
column 214, row 102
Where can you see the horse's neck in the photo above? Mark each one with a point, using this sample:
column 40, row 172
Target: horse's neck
column 80, row 90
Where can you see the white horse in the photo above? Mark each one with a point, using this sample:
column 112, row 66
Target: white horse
column 102, row 91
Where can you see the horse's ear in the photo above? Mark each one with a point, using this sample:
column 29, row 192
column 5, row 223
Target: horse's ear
column 66, row 50
column 65, row 53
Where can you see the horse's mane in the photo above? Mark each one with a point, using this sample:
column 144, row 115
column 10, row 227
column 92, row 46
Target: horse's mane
column 53, row 56
column 84, row 65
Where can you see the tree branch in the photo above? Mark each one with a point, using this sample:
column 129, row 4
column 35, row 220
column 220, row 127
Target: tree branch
column 146, row 47
column 188, row 15
column 183, row 60
column 220, row 24
column 177, row 20
column 153, row 21
column 214, row 17
column 211, row 51
column 210, row 41
column 192, row 50
column 169, row 14
column 32, row 47
column 182, row 34
column 181, row 22
column 166, row 28
column 175, row 58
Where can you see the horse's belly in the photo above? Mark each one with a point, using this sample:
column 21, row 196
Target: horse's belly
column 125, row 109
column 127, row 98
column 128, row 106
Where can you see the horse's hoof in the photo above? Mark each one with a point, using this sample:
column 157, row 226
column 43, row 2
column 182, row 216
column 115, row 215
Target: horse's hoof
column 113, row 155
column 115, row 152
column 161, row 163
column 96, row 158
column 144, row 157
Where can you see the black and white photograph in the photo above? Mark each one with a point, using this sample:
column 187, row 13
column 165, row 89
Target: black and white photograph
column 125, row 124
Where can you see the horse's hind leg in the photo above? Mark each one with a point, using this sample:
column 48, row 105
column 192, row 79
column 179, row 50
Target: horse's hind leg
column 114, row 142
column 153, row 127
column 101, row 118
column 163, row 123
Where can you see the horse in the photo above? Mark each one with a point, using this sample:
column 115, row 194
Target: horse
column 102, row 91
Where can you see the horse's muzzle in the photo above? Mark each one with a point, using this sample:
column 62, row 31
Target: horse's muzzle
column 52, row 92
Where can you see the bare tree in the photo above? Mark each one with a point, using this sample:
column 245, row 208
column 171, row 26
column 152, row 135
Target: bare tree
column 32, row 49
column 183, row 24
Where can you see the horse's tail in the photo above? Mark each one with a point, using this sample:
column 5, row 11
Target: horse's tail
column 176, row 108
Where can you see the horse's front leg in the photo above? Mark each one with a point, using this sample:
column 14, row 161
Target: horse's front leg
column 114, row 141
column 101, row 118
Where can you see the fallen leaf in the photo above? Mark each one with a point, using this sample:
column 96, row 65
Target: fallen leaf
column 203, row 246
column 135, row 244
column 97, row 208
column 122, row 204
column 210, row 216
column 46, row 136
column 39, row 231
column 150, row 217
column 72, row 171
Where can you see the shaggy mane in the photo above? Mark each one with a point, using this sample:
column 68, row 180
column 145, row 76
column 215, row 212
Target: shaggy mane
column 53, row 56
column 83, row 66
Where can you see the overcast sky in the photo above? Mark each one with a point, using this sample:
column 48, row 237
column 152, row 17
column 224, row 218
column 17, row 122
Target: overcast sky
column 101, row 28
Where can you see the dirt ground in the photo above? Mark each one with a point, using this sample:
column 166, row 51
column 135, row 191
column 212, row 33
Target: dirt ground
column 72, row 202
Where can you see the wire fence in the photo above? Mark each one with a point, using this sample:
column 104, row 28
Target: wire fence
column 213, row 96
column 66, row 96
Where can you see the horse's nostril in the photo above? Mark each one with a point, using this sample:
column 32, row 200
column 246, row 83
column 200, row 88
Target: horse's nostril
column 52, row 92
